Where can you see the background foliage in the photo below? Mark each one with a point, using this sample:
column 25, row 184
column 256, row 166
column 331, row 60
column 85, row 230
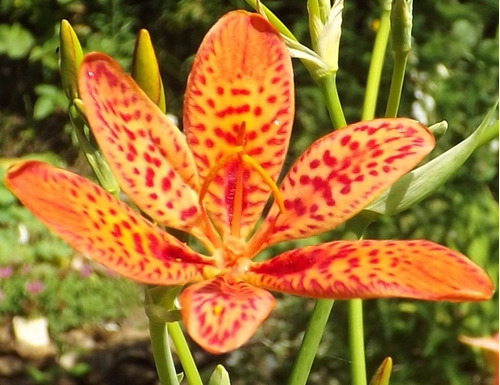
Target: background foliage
column 452, row 75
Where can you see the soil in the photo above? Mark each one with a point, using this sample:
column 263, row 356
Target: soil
column 100, row 355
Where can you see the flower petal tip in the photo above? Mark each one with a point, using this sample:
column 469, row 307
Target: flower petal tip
column 223, row 313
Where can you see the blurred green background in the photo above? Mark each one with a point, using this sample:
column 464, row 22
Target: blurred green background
column 452, row 75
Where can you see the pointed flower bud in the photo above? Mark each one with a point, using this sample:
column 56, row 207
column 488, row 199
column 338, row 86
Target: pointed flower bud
column 325, row 30
column 383, row 373
column 145, row 70
column 401, row 24
column 220, row 376
column 70, row 57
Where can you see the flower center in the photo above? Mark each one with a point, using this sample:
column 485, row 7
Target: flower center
column 239, row 152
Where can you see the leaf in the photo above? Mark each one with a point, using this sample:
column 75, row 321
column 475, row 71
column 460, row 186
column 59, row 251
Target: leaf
column 15, row 41
column 421, row 182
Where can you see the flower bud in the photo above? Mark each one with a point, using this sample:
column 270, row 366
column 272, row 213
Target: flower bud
column 383, row 373
column 70, row 57
column 219, row 376
column 401, row 24
column 325, row 30
column 145, row 69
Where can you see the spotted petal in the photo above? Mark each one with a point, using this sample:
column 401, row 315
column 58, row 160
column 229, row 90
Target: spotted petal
column 147, row 153
column 100, row 226
column 239, row 100
column 373, row 269
column 223, row 313
column 341, row 173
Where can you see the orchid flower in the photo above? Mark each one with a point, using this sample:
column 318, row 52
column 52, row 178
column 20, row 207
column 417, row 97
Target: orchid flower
column 213, row 182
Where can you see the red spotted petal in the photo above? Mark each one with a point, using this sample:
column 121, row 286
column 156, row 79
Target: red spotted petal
column 223, row 313
column 374, row 269
column 239, row 97
column 100, row 226
column 147, row 153
column 340, row 174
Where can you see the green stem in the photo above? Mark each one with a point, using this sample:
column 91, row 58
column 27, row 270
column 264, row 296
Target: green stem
column 162, row 354
column 329, row 88
column 376, row 64
column 356, row 342
column 398, row 73
column 184, row 353
column 354, row 230
column 310, row 342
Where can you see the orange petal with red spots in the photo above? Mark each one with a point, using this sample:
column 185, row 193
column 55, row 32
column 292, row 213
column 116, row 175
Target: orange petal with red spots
column 374, row 269
column 340, row 174
column 147, row 153
column 103, row 228
column 223, row 313
column 239, row 98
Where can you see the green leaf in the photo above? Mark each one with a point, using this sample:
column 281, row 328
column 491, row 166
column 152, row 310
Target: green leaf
column 421, row 182
column 15, row 41
column 159, row 314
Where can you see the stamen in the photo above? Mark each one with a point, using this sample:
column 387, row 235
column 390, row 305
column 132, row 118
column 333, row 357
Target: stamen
column 214, row 171
column 267, row 179
column 239, row 151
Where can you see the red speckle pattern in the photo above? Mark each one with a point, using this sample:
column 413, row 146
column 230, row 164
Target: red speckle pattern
column 239, row 109
column 141, row 145
column 223, row 313
column 373, row 269
column 100, row 226
column 251, row 85
column 341, row 173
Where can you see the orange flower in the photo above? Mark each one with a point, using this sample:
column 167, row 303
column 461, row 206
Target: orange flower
column 489, row 345
column 214, row 182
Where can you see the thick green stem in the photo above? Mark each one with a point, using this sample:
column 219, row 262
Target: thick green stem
column 356, row 342
column 398, row 73
column 332, row 100
column 162, row 354
column 310, row 342
column 184, row 354
column 376, row 64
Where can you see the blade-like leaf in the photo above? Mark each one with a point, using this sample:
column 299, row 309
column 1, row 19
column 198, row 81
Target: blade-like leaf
column 373, row 269
column 98, row 225
column 223, row 313
column 421, row 182
column 146, row 152
column 239, row 100
column 341, row 173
